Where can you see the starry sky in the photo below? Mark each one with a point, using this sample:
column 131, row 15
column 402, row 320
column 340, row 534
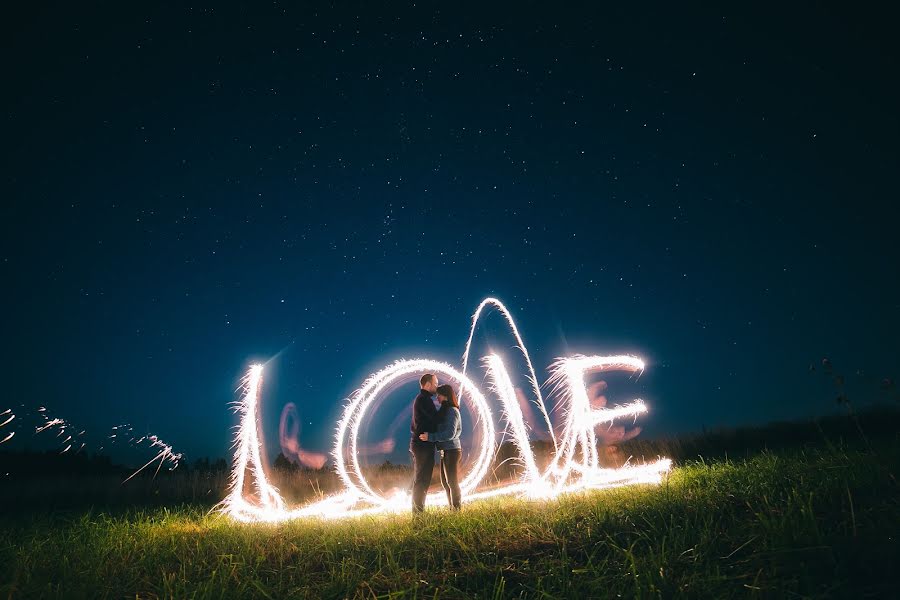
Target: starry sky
column 189, row 189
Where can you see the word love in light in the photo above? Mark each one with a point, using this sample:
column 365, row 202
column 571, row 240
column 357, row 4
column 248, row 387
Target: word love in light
column 575, row 463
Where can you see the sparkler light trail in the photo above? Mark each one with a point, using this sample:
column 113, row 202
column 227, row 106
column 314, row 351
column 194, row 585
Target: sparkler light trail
column 532, row 376
column 575, row 464
column 289, row 436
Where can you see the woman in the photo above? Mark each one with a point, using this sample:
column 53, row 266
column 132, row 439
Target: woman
column 447, row 439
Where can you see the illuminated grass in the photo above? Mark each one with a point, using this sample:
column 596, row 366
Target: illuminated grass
column 814, row 523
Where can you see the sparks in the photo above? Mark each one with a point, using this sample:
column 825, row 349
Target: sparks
column 575, row 464
column 70, row 439
column 165, row 455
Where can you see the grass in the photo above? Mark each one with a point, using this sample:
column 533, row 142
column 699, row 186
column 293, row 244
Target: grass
column 818, row 522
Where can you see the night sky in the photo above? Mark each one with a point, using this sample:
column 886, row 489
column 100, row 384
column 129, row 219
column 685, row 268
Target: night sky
column 188, row 190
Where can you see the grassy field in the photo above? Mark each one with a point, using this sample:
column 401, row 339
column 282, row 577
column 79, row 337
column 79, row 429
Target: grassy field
column 819, row 522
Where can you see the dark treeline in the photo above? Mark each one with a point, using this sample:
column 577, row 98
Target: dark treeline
column 855, row 429
column 27, row 464
column 48, row 480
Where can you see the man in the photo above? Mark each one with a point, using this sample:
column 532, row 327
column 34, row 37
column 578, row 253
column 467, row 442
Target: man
column 424, row 420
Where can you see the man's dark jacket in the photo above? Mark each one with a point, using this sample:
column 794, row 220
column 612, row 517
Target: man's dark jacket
column 424, row 417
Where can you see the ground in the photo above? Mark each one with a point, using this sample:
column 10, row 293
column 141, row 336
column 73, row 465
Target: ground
column 814, row 522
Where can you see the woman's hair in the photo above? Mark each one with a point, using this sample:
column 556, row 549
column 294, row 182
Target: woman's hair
column 447, row 392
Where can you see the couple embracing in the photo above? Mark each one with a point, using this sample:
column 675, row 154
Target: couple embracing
column 435, row 426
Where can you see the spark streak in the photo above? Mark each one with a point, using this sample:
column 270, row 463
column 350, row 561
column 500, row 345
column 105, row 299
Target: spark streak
column 6, row 422
column 575, row 464
column 8, row 419
column 49, row 424
column 166, row 454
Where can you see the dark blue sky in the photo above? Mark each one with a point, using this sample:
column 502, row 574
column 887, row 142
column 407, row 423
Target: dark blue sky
column 189, row 189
